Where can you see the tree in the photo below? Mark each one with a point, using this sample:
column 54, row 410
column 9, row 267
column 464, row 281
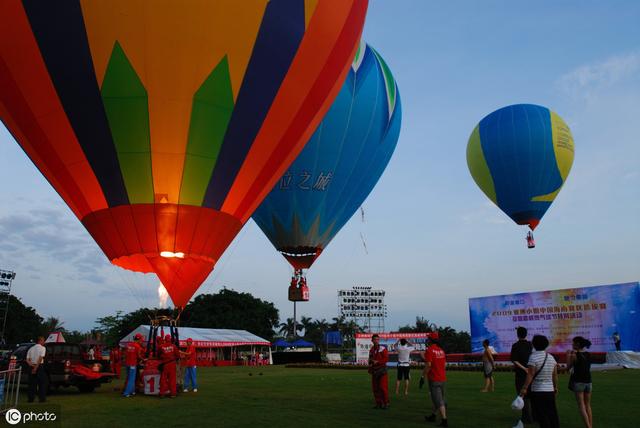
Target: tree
column 306, row 323
column 232, row 310
column 23, row 322
column 286, row 328
column 451, row 340
column 52, row 325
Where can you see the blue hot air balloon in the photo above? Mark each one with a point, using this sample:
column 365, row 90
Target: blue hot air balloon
column 336, row 170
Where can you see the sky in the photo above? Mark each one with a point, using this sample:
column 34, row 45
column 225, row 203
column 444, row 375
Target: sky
column 433, row 239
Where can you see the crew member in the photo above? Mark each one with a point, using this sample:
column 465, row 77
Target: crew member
column 133, row 355
column 116, row 360
column 190, row 364
column 434, row 369
column 378, row 357
column 169, row 354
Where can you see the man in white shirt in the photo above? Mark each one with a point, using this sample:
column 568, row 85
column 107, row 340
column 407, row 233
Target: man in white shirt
column 404, row 362
column 37, row 376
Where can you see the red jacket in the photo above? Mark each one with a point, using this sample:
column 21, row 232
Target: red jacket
column 378, row 357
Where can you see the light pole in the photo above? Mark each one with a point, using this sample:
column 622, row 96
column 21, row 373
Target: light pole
column 6, row 278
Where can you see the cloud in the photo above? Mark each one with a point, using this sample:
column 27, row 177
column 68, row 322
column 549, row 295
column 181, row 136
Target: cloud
column 52, row 236
column 588, row 80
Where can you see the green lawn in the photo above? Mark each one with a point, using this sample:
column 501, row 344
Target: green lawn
column 229, row 396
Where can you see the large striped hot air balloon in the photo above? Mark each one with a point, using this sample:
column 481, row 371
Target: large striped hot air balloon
column 337, row 169
column 163, row 124
column 520, row 156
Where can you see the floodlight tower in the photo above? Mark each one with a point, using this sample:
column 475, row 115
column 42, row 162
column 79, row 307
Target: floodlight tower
column 365, row 306
column 6, row 278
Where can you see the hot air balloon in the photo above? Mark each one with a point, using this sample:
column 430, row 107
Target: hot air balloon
column 164, row 124
column 520, row 156
column 337, row 169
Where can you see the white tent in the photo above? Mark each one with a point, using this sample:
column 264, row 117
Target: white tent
column 204, row 337
column 225, row 347
column 55, row 337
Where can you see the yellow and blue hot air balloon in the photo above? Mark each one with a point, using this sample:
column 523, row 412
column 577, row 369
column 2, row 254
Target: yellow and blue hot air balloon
column 337, row 169
column 520, row 156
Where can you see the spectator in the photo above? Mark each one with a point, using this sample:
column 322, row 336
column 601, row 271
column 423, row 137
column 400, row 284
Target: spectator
column 579, row 361
column 487, row 366
column 434, row 371
column 37, row 376
column 542, row 375
column 404, row 364
column 520, row 353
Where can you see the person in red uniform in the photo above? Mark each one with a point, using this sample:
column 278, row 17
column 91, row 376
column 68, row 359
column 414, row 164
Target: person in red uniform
column 190, row 364
column 133, row 354
column 434, row 369
column 169, row 354
column 116, row 360
column 378, row 358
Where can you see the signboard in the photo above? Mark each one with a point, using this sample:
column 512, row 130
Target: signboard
column 592, row 312
column 389, row 341
column 151, row 384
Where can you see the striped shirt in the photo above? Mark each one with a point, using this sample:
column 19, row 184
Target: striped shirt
column 544, row 381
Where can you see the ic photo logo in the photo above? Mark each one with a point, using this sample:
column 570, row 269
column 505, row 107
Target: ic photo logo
column 14, row 417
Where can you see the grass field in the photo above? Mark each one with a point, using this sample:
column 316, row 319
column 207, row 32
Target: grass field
column 230, row 397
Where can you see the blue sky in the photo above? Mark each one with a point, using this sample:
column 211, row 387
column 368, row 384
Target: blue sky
column 433, row 239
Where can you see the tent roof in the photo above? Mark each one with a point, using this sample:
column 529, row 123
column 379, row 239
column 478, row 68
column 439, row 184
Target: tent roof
column 301, row 342
column 204, row 337
column 281, row 342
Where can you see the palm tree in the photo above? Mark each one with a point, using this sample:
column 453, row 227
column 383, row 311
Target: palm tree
column 286, row 328
column 338, row 323
column 52, row 325
column 306, row 324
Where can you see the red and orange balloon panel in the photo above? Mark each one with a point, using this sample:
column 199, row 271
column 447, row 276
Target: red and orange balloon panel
column 164, row 124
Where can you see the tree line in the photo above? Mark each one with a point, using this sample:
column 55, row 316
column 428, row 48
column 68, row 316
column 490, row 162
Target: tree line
column 227, row 309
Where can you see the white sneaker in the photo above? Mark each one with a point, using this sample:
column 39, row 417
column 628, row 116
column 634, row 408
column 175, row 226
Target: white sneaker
column 195, row 390
column 185, row 390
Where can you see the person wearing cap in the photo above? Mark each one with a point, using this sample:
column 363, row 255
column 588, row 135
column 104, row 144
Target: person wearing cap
column 190, row 363
column 169, row 354
column 133, row 355
column 434, row 370
column 378, row 358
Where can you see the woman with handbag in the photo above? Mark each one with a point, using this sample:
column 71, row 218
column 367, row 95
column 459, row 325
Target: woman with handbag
column 579, row 362
column 542, row 375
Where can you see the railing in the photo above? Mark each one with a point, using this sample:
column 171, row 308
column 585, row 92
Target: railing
column 9, row 388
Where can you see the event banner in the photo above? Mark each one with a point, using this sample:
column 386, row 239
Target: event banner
column 390, row 341
column 595, row 313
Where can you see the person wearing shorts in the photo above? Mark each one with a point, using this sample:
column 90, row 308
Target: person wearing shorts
column 579, row 362
column 404, row 362
column 434, row 371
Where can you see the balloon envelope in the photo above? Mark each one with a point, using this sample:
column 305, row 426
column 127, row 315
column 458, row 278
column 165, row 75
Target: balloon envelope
column 338, row 167
column 520, row 156
column 164, row 124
